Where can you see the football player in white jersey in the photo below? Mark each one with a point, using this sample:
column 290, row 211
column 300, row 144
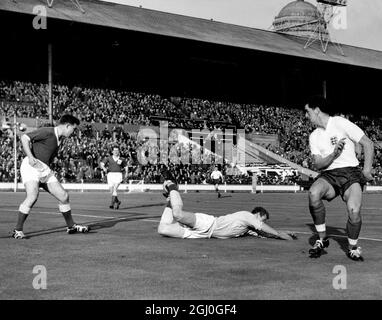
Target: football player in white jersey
column 217, row 177
column 333, row 148
column 178, row 223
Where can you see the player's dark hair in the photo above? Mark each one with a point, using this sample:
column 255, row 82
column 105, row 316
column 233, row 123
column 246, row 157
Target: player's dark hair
column 318, row 101
column 262, row 211
column 69, row 119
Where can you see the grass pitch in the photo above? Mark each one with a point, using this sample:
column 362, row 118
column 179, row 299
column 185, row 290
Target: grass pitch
column 123, row 257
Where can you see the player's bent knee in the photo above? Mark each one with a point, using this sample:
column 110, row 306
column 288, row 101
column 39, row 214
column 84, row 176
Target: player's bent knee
column 166, row 230
column 315, row 194
column 33, row 203
column 354, row 215
column 65, row 197
column 28, row 204
column 30, row 201
column 355, row 219
column 162, row 229
column 177, row 214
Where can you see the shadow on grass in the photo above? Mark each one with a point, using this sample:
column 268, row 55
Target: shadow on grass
column 337, row 234
column 125, row 207
column 145, row 206
column 94, row 225
column 109, row 223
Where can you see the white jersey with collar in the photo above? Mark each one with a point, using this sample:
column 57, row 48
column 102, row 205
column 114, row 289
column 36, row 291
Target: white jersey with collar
column 322, row 141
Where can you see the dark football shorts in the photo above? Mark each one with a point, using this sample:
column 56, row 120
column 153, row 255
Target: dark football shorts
column 342, row 178
column 215, row 181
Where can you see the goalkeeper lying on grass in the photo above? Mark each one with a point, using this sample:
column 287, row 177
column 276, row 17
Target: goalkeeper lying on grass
column 177, row 223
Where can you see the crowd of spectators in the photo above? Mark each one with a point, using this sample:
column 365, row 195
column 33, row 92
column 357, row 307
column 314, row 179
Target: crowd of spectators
column 119, row 107
column 7, row 164
column 79, row 157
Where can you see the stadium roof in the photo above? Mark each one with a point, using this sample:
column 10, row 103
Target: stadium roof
column 178, row 26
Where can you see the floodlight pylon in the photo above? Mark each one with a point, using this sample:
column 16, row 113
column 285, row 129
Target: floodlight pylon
column 327, row 9
column 327, row 12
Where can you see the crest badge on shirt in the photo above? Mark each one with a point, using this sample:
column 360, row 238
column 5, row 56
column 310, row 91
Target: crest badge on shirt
column 119, row 161
column 334, row 140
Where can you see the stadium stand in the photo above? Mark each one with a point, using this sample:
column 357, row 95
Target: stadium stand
column 80, row 155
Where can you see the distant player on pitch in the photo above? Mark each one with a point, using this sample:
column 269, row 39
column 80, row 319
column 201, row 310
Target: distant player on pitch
column 178, row 223
column 114, row 166
column 332, row 145
column 40, row 147
column 217, row 177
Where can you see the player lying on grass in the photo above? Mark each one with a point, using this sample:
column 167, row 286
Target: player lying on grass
column 177, row 223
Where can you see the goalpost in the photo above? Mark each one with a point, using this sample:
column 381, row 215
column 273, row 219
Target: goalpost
column 136, row 186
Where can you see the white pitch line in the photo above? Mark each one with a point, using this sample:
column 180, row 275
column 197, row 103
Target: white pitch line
column 370, row 208
column 80, row 215
column 338, row 236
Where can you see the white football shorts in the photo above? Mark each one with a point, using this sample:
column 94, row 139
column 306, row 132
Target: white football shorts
column 114, row 178
column 204, row 227
column 39, row 172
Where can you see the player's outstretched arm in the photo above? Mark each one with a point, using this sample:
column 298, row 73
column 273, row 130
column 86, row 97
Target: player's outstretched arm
column 278, row 234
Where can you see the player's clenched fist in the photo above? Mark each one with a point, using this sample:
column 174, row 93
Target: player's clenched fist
column 339, row 147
